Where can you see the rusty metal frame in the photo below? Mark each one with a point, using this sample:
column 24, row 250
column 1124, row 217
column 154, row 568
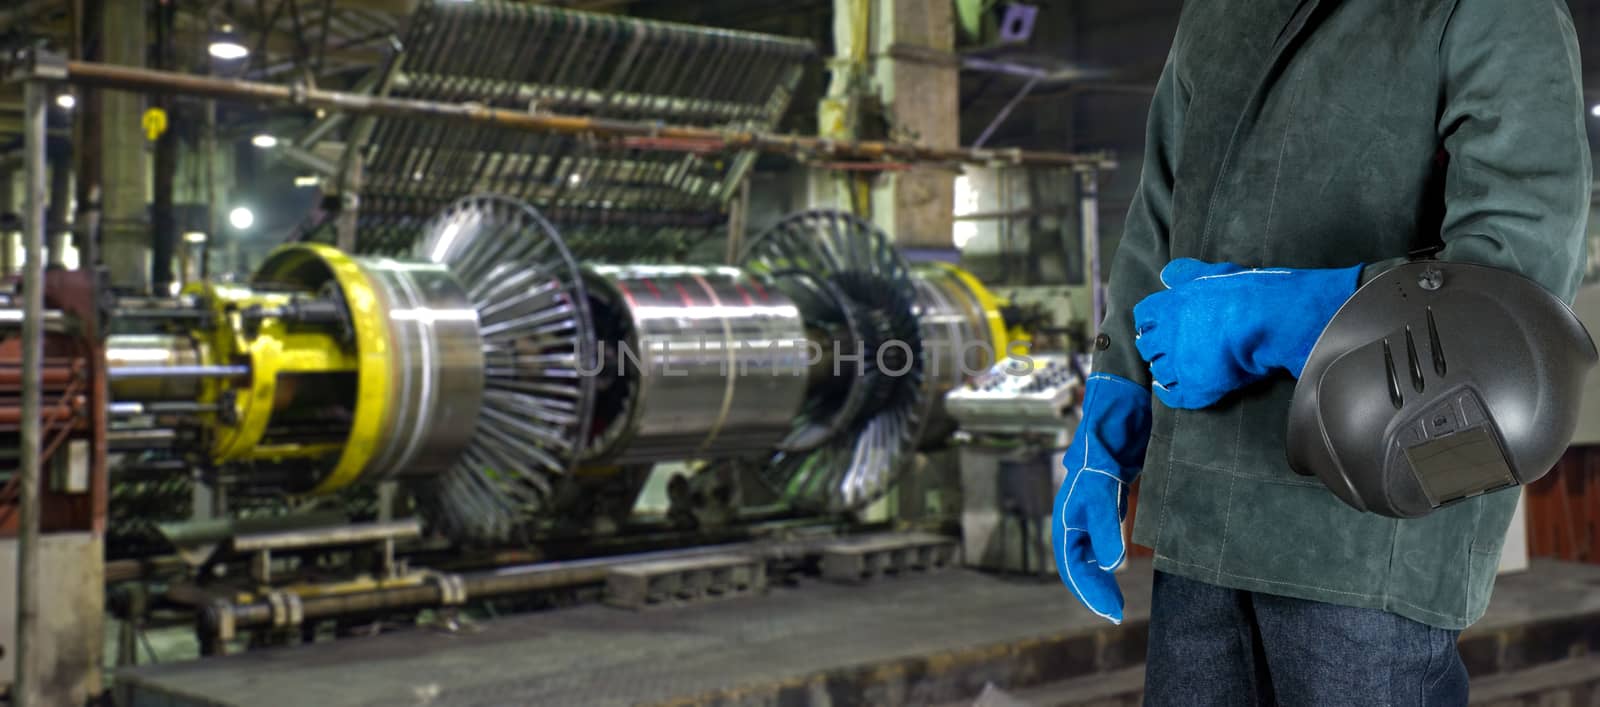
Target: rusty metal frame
column 680, row 138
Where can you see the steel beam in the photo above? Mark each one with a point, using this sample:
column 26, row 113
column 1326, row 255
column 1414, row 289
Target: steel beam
column 27, row 689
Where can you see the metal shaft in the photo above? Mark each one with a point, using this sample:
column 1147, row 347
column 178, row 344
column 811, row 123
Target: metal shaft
column 138, row 439
column 26, row 693
column 12, row 317
column 475, row 585
column 689, row 138
column 131, row 372
column 176, row 407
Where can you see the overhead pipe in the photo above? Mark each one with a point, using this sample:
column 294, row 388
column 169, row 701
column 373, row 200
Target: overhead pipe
column 152, row 81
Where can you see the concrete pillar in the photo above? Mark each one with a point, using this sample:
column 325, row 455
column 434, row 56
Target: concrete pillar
column 916, row 73
column 902, row 53
column 124, row 170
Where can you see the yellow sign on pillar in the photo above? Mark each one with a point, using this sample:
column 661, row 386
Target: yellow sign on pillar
column 154, row 122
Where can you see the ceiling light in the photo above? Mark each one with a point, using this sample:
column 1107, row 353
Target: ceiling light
column 66, row 101
column 228, row 50
column 194, row 237
column 264, row 141
column 242, row 218
column 227, row 45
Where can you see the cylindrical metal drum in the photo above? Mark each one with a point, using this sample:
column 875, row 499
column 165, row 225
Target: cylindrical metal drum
column 153, row 351
column 962, row 336
column 696, row 362
column 418, row 360
column 435, row 367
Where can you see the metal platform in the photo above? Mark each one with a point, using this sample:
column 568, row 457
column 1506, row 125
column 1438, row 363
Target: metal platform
column 928, row 638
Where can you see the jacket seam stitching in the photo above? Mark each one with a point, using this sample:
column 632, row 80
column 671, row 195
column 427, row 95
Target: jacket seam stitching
column 1477, row 530
column 1166, row 486
column 1227, row 517
column 1430, row 612
column 1222, row 545
column 1277, row 177
column 1236, row 473
column 1253, row 105
column 1394, row 546
column 1438, row 53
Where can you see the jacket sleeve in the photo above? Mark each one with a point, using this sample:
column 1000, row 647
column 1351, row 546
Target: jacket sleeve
column 1144, row 248
column 1513, row 122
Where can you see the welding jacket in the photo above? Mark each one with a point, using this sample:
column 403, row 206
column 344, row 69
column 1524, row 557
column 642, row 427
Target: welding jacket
column 1329, row 133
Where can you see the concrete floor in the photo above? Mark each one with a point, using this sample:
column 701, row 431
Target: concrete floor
column 597, row 655
column 921, row 639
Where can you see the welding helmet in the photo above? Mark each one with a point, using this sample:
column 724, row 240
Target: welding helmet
column 1437, row 382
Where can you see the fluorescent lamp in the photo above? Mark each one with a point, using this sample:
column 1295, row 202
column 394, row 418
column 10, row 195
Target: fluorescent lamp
column 228, row 50
column 242, row 218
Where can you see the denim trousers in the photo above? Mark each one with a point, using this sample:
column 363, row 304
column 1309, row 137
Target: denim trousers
column 1215, row 646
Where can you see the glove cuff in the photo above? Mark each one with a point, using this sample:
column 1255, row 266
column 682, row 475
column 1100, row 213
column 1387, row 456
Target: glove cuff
column 1115, row 427
column 1325, row 292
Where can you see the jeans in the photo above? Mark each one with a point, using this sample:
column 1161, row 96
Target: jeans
column 1216, row 646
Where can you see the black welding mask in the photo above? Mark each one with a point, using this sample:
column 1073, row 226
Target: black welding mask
column 1437, row 382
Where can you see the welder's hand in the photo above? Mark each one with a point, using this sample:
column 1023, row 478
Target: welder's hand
column 1106, row 454
column 1218, row 327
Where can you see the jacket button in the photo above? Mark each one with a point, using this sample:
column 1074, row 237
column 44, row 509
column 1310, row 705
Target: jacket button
column 1102, row 342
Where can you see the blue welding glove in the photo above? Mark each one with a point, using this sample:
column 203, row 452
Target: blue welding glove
column 1218, row 327
column 1106, row 453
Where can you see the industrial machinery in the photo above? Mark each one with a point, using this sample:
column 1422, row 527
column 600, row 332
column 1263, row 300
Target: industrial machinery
column 509, row 368
column 481, row 360
column 71, row 495
column 1016, row 421
column 504, row 390
column 619, row 200
column 325, row 370
column 1022, row 397
column 489, row 368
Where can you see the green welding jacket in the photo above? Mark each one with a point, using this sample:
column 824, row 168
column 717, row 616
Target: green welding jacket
column 1329, row 133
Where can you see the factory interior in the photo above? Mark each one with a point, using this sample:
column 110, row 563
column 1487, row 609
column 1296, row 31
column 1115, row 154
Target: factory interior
column 477, row 352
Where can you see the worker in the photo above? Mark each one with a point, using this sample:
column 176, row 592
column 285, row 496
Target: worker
column 1296, row 149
